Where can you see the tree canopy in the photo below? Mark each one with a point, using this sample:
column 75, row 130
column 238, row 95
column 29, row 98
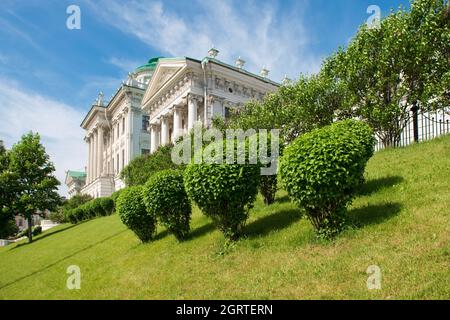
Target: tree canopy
column 31, row 181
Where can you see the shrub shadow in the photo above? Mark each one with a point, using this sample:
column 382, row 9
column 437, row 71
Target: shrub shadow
column 376, row 185
column 42, row 236
column 198, row 232
column 373, row 214
column 276, row 221
column 4, row 285
column 283, row 199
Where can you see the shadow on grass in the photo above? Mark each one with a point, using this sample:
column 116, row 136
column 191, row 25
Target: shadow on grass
column 373, row 214
column 283, row 199
column 198, row 232
column 376, row 185
column 161, row 235
column 2, row 286
column 43, row 236
column 276, row 221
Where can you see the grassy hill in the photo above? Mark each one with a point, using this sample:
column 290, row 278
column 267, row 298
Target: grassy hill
column 401, row 222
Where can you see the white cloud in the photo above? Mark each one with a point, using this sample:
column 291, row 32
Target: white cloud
column 123, row 64
column 56, row 122
column 260, row 33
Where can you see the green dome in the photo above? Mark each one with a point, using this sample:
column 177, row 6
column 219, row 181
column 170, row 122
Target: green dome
column 150, row 65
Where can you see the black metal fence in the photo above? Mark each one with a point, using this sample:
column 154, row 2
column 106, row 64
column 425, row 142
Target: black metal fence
column 422, row 126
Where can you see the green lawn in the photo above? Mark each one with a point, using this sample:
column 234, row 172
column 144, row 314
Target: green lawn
column 401, row 223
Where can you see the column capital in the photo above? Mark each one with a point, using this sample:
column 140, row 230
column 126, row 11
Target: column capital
column 153, row 125
column 194, row 97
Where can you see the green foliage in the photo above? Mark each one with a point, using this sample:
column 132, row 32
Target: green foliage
column 166, row 199
column 140, row 169
column 33, row 184
column 406, row 59
column 294, row 109
column 7, row 193
column 75, row 215
column 115, row 195
column 426, row 41
column 77, row 200
column 268, row 188
column 322, row 170
column 8, row 227
column 133, row 213
column 106, row 205
column 94, row 208
column 90, row 210
column 36, row 230
column 224, row 192
column 59, row 215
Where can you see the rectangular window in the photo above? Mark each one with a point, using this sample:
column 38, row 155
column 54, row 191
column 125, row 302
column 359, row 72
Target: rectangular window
column 123, row 158
column 145, row 151
column 145, row 122
column 118, row 127
column 227, row 112
column 117, row 167
column 123, row 125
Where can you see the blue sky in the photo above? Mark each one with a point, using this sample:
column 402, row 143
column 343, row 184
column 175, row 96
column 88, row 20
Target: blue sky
column 49, row 75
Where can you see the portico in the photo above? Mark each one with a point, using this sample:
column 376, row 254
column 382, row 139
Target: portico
column 185, row 91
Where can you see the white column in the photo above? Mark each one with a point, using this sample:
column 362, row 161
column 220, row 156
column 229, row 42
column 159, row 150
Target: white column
column 88, row 173
column 154, row 137
column 91, row 157
column 177, row 129
column 99, row 151
column 95, row 154
column 164, row 130
column 192, row 112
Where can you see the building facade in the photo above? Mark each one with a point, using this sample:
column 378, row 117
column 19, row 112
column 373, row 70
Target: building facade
column 159, row 102
column 75, row 181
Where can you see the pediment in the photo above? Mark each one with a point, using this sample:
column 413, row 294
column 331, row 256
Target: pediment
column 165, row 71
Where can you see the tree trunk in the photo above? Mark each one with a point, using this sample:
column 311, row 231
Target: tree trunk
column 30, row 233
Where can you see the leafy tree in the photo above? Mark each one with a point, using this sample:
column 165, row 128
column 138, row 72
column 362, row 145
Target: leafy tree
column 295, row 109
column 35, row 185
column 140, row 169
column 7, row 188
column 371, row 68
column 77, row 200
column 387, row 71
column 426, row 68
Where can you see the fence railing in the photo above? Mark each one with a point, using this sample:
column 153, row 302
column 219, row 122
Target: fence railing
column 422, row 126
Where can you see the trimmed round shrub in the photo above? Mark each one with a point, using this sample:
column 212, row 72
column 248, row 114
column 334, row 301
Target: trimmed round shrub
column 268, row 188
column 35, row 230
column 115, row 195
column 107, row 206
column 166, row 199
column 322, row 171
column 133, row 213
column 97, row 208
column 75, row 215
column 366, row 137
column 224, row 192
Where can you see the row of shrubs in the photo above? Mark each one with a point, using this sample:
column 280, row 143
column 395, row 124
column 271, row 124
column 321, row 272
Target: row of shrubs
column 321, row 171
column 94, row 208
column 163, row 200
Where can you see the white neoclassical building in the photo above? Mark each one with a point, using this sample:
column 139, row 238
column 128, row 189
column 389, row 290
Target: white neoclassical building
column 160, row 101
